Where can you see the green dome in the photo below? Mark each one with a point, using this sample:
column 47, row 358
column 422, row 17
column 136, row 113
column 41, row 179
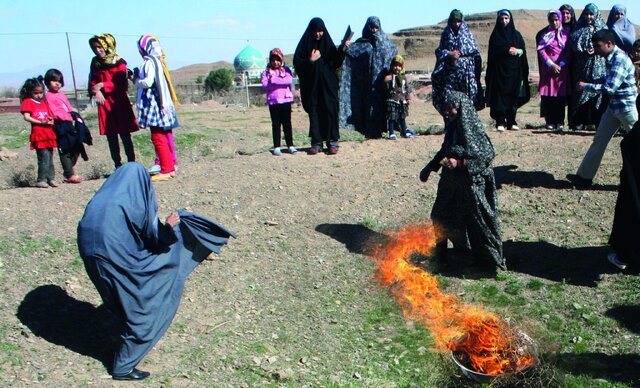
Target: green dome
column 249, row 59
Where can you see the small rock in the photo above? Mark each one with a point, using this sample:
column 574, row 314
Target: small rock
column 271, row 223
column 285, row 374
column 357, row 376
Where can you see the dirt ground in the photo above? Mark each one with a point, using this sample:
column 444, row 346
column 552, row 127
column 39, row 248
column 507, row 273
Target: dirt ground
column 282, row 298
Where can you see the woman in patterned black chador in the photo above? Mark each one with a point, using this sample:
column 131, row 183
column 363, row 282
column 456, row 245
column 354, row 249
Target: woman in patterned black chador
column 466, row 201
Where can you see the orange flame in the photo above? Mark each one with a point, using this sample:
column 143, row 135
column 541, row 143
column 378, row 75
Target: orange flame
column 487, row 340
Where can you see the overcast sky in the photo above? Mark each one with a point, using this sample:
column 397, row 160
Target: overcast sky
column 32, row 32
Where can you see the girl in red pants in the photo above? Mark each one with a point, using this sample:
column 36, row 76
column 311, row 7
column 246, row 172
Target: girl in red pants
column 155, row 103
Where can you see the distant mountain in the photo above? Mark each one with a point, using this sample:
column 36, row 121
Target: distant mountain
column 188, row 74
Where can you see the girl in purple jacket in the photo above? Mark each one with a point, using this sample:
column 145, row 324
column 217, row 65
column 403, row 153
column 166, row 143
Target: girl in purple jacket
column 276, row 81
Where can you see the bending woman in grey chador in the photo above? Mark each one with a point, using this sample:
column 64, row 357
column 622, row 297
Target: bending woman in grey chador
column 139, row 265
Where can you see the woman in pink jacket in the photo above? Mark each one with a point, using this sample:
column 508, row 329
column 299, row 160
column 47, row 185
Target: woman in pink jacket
column 554, row 71
column 276, row 81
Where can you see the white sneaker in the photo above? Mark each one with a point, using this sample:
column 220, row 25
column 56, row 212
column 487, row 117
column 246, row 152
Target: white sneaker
column 615, row 260
column 579, row 127
column 514, row 128
column 500, row 128
column 550, row 126
column 559, row 127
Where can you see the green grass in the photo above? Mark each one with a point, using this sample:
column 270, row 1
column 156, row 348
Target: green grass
column 371, row 222
column 14, row 132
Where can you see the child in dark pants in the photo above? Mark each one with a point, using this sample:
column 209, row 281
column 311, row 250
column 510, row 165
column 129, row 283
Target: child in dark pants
column 398, row 97
column 276, row 81
column 63, row 125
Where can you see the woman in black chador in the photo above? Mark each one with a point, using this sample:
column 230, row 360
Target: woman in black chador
column 315, row 60
column 626, row 220
column 507, row 76
column 465, row 205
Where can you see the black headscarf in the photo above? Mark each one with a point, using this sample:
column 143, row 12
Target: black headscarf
column 503, row 35
column 571, row 25
column 507, row 75
column 320, row 73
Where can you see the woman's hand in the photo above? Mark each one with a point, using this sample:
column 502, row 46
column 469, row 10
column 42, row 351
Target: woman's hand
column 97, row 87
column 451, row 163
column 99, row 97
column 173, row 219
column 513, row 51
column 315, row 55
column 556, row 68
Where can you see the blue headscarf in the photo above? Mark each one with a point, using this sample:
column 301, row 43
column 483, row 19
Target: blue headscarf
column 625, row 31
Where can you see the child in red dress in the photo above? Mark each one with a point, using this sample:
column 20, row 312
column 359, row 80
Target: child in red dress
column 35, row 110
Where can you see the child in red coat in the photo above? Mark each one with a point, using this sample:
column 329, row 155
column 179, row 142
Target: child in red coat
column 108, row 85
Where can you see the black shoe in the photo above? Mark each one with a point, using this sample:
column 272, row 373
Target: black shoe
column 579, row 182
column 313, row 150
column 133, row 375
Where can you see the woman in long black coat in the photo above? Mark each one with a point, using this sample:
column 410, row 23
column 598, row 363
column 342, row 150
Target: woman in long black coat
column 316, row 60
column 626, row 220
column 507, row 77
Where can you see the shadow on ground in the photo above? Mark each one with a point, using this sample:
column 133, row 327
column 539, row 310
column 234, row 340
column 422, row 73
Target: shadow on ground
column 620, row 368
column 50, row 313
column 627, row 316
column 510, row 175
column 356, row 238
column 578, row 266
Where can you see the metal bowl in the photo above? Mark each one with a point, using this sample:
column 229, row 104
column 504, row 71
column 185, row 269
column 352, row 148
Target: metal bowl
column 527, row 345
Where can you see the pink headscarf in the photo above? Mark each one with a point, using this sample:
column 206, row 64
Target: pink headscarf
column 560, row 34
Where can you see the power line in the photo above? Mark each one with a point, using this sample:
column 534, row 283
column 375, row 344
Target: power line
column 137, row 35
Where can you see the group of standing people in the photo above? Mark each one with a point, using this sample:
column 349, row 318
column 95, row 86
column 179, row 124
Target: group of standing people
column 372, row 96
column 600, row 88
column 108, row 85
column 55, row 125
column 459, row 67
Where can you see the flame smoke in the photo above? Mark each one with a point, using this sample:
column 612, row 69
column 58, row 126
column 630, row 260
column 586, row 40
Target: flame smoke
column 488, row 342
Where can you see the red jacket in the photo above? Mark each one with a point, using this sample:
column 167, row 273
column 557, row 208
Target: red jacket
column 116, row 115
